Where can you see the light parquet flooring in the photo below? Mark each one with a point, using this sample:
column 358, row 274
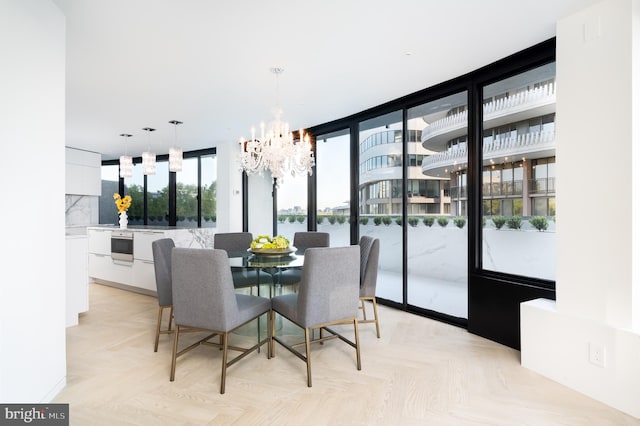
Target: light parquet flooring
column 420, row 372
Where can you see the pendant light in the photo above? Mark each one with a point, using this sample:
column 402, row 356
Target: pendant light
column 148, row 157
column 175, row 153
column 126, row 162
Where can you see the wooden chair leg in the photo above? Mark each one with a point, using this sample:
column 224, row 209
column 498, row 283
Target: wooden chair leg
column 225, row 348
column 375, row 316
column 170, row 318
column 307, row 344
column 355, row 329
column 159, row 323
column 364, row 311
column 174, row 354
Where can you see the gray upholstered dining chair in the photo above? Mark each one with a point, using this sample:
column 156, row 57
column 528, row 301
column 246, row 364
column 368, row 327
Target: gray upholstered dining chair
column 328, row 295
column 236, row 244
column 204, row 298
column 369, row 255
column 302, row 241
column 162, row 266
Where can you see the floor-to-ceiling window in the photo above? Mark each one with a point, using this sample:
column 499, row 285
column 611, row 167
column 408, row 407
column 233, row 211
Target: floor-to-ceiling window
column 518, row 160
column 444, row 176
column 437, row 238
column 292, row 215
column 381, row 196
column 186, row 198
column 333, row 160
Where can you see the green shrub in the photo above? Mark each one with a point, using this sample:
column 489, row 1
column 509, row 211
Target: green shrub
column 331, row 219
column 282, row 218
column 364, row 220
column 319, row 219
column 398, row 220
column 377, row 220
column 413, row 221
column 514, row 222
column 386, row 220
column 428, row 220
column 443, row 221
column 459, row 221
column 292, row 218
column 341, row 219
column 499, row 221
column 300, row 218
column 539, row 222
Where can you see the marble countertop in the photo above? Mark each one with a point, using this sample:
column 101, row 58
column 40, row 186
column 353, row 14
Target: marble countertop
column 139, row 227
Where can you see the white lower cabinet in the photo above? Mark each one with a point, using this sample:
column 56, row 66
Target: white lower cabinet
column 142, row 244
column 103, row 267
column 144, row 275
column 140, row 273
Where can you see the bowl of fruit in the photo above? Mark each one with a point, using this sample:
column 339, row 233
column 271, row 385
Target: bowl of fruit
column 264, row 245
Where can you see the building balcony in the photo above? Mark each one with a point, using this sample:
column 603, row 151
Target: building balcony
column 524, row 105
column 528, row 145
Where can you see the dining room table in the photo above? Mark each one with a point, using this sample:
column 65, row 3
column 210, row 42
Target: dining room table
column 267, row 266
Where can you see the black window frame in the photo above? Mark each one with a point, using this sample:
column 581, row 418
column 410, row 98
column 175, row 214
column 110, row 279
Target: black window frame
column 172, row 182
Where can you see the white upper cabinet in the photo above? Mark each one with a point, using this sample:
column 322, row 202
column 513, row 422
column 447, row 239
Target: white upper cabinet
column 82, row 172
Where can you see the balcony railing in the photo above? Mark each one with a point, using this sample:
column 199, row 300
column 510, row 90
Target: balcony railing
column 502, row 189
column 542, row 186
column 542, row 95
column 505, row 189
column 528, row 142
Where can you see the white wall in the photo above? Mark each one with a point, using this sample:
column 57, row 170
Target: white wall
column 597, row 279
column 261, row 204
column 32, row 288
column 229, row 189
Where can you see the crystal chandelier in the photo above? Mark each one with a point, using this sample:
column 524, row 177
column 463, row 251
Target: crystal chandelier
column 175, row 153
column 277, row 151
column 148, row 157
column 126, row 162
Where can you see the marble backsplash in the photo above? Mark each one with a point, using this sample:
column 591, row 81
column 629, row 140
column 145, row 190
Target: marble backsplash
column 81, row 210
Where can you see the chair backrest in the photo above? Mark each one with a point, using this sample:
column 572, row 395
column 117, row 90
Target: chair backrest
column 369, row 255
column 162, row 265
column 233, row 242
column 304, row 240
column 329, row 289
column 203, row 293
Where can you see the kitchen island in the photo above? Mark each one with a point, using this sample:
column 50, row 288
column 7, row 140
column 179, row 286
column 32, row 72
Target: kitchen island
column 137, row 273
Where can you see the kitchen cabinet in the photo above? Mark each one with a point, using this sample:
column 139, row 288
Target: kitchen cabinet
column 144, row 274
column 142, row 244
column 82, row 172
column 77, row 282
column 100, row 241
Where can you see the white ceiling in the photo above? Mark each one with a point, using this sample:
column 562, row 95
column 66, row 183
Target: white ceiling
column 141, row 63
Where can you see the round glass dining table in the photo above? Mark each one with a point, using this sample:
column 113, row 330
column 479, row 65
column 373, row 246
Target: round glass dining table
column 266, row 267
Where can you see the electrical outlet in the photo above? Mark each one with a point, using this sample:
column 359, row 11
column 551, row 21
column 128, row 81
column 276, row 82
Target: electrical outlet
column 597, row 354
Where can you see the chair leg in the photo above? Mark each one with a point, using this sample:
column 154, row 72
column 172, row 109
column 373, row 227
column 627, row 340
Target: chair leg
column 269, row 333
column 174, row 353
column 307, row 344
column 159, row 322
column 357, row 335
column 375, row 316
column 225, row 348
column 170, row 318
column 364, row 311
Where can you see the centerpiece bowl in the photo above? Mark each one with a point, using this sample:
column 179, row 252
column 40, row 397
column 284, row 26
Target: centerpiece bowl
column 264, row 245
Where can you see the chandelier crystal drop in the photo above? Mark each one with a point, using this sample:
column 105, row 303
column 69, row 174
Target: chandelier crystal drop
column 126, row 162
column 276, row 150
column 148, row 157
column 175, row 153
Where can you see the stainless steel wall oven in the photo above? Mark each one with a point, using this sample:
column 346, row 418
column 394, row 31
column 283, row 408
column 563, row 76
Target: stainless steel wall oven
column 122, row 245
